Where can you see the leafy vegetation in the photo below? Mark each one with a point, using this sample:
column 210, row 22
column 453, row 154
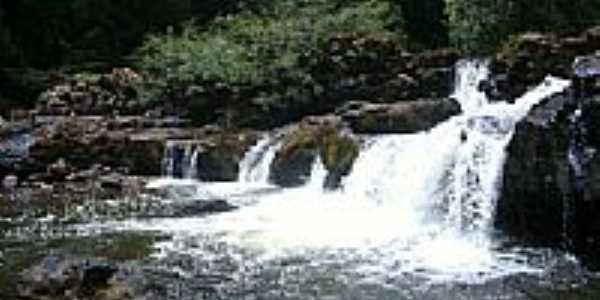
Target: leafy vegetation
column 256, row 48
column 425, row 23
column 235, row 44
column 481, row 25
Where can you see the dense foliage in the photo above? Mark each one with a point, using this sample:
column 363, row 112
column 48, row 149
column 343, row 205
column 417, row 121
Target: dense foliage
column 480, row 25
column 258, row 43
column 52, row 33
column 257, row 47
column 424, row 22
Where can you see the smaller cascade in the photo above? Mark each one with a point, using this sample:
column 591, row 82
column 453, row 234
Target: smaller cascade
column 180, row 159
column 254, row 167
column 318, row 174
column 470, row 74
column 486, row 131
column 191, row 170
column 168, row 160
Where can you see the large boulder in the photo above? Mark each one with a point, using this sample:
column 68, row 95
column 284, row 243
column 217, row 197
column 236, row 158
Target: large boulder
column 536, row 183
column 551, row 186
column 325, row 137
column 399, row 117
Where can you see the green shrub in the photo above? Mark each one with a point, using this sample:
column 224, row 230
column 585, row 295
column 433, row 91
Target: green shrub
column 477, row 25
column 481, row 25
column 259, row 47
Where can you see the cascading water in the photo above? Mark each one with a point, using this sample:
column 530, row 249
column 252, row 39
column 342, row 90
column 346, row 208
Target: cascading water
column 254, row 167
column 418, row 204
column 180, row 160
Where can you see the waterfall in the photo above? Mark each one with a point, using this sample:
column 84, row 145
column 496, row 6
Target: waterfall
column 413, row 203
column 318, row 174
column 191, row 169
column 254, row 167
column 180, row 159
column 452, row 172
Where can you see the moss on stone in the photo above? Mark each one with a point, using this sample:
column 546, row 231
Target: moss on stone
column 336, row 149
column 338, row 152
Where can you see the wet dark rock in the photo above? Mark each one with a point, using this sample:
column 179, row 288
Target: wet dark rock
column 325, row 137
column 551, row 186
column 536, row 181
column 294, row 168
column 400, row 117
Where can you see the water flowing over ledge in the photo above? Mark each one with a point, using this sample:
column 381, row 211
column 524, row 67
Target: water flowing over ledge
column 420, row 204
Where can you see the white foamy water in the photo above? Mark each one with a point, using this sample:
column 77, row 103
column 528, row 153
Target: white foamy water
column 421, row 203
column 254, row 167
column 180, row 160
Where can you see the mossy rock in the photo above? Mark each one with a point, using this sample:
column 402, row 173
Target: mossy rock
column 338, row 153
column 324, row 137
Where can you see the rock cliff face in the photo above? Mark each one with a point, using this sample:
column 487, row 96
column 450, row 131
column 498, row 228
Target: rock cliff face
column 551, row 187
